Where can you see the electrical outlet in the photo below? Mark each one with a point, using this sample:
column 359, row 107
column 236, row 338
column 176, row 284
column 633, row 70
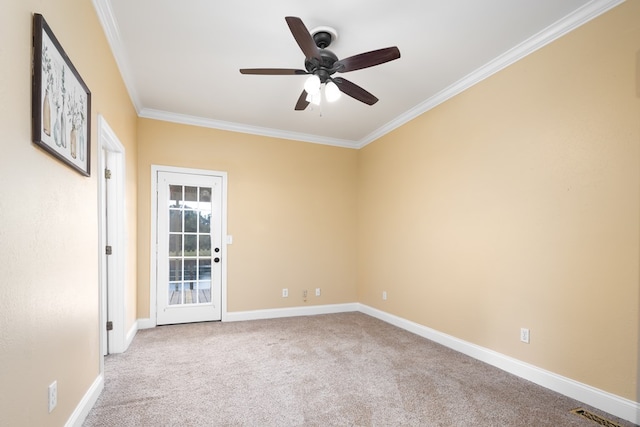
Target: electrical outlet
column 285, row 293
column 384, row 295
column 317, row 292
column 53, row 395
column 524, row 335
column 304, row 294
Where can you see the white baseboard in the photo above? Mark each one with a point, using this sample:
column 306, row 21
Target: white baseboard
column 146, row 324
column 130, row 335
column 88, row 400
column 274, row 313
column 236, row 316
column 608, row 402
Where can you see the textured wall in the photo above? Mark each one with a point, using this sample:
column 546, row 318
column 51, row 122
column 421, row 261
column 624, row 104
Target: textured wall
column 48, row 221
column 516, row 204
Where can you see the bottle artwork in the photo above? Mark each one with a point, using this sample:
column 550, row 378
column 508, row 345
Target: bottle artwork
column 46, row 114
column 73, row 142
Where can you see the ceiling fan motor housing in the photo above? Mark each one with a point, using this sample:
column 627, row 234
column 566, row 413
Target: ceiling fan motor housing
column 322, row 69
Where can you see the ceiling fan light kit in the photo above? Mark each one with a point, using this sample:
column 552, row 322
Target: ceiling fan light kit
column 314, row 99
column 331, row 91
column 320, row 64
column 312, row 84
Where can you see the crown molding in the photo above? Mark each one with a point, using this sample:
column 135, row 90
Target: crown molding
column 112, row 32
column 569, row 23
column 243, row 128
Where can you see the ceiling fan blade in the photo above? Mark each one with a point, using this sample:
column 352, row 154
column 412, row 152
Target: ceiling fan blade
column 302, row 101
column 303, row 37
column 354, row 91
column 272, row 71
column 367, row 59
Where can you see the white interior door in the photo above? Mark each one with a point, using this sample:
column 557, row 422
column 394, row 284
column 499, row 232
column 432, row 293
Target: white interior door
column 105, row 239
column 189, row 273
column 112, row 232
column 109, row 273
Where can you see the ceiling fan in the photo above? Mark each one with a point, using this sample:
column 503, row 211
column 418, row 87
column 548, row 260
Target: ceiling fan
column 321, row 64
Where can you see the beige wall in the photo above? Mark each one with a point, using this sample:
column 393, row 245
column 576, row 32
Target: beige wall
column 49, row 220
column 291, row 212
column 516, row 204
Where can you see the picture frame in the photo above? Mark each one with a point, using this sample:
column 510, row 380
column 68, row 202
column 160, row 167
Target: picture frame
column 61, row 102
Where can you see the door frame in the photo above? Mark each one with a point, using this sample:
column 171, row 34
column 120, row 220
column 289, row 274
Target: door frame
column 153, row 244
column 112, row 292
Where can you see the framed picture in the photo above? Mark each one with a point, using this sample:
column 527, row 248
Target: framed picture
column 61, row 104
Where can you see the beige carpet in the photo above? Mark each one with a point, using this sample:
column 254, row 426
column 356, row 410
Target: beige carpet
column 331, row 370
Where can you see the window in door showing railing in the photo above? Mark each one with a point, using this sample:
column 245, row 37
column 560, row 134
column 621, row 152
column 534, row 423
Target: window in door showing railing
column 189, row 245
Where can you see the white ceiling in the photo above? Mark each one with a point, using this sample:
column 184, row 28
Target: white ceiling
column 180, row 59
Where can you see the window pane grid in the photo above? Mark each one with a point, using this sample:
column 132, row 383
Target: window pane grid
column 189, row 245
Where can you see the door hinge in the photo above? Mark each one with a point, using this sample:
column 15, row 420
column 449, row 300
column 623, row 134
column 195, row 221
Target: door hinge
column 107, row 173
column 109, row 326
column 108, row 250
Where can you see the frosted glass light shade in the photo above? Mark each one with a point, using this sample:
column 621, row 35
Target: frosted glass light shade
column 312, row 85
column 331, row 92
column 314, row 99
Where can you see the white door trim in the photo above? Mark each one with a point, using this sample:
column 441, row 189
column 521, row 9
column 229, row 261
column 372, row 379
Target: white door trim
column 112, row 305
column 153, row 244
